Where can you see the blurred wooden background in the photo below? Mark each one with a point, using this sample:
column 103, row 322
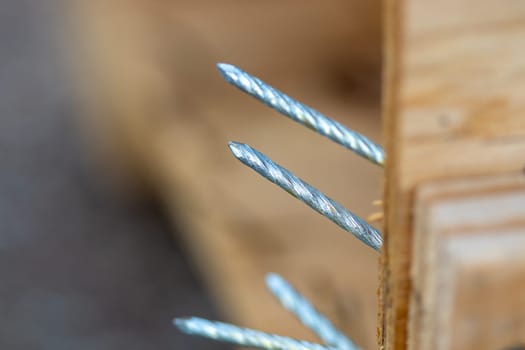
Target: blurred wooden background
column 162, row 116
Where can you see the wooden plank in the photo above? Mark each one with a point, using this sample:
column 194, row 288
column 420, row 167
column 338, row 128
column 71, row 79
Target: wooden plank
column 454, row 104
column 468, row 264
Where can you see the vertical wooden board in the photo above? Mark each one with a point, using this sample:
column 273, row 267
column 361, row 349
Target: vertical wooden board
column 389, row 316
column 454, row 106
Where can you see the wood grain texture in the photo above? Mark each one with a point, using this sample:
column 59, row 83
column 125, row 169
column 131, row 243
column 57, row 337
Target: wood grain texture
column 454, row 106
column 468, row 264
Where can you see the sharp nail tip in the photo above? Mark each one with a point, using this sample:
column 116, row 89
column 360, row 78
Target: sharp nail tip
column 178, row 322
column 226, row 69
column 271, row 277
column 235, row 148
column 222, row 65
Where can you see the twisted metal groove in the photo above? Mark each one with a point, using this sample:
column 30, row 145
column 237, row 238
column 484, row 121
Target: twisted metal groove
column 302, row 114
column 291, row 300
column 242, row 336
column 307, row 194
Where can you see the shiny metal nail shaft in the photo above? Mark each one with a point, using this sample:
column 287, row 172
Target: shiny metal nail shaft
column 307, row 194
column 302, row 114
column 291, row 300
column 242, row 336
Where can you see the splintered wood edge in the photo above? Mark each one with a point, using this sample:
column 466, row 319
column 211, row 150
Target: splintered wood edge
column 387, row 323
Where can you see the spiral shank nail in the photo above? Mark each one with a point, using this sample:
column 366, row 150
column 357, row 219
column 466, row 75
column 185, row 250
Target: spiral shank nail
column 307, row 194
column 307, row 314
column 302, row 114
column 242, row 336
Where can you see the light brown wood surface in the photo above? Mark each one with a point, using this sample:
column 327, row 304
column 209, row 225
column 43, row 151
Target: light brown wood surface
column 468, row 264
column 454, row 108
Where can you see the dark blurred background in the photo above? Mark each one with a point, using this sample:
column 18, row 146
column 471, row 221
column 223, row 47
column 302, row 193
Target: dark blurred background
column 120, row 204
column 81, row 265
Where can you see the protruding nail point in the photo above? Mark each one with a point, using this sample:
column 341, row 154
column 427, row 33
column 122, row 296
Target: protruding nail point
column 236, row 148
column 227, row 71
